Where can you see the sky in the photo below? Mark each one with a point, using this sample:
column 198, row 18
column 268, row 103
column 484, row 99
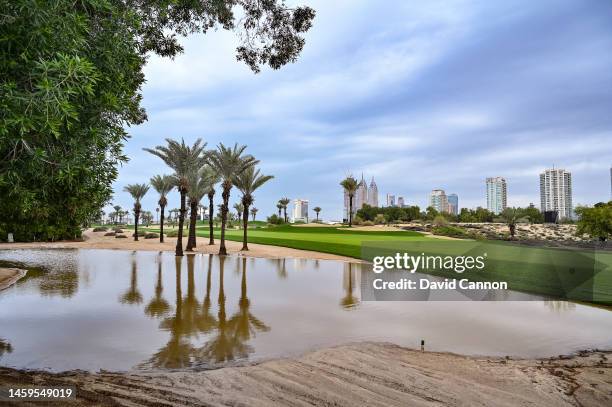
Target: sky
column 419, row 95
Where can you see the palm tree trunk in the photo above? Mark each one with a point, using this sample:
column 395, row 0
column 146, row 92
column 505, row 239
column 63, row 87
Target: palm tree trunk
column 279, row 212
column 350, row 211
column 224, row 210
column 179, row 241
column 245, row 223
column 211, row 207
column 161, row 225
column 191, row 240
column 285, row 212
column 136, row 216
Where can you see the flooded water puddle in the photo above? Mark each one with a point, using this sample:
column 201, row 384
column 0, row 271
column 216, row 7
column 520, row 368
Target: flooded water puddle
column 119, row 310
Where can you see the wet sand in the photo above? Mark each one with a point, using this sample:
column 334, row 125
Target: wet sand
column 9, row 276
column 97, row 240
column 373, row 374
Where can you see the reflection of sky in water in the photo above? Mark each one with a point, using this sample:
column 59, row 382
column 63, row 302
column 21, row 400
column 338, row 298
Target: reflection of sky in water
column 116, row 310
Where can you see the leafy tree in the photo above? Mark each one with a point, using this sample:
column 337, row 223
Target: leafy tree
column 183, row 159
column 596, row 221
column 138, row 191
column 512, row 216
column 350, row 186
column 229, row 163
column 248, row 182
column 70, row 84
column 533, row 214
column 317, row 210
column 163, row 184
column 254, row 213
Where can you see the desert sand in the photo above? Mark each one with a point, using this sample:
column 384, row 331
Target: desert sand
column 372, row 374
column 9, row 276
column 97, row 240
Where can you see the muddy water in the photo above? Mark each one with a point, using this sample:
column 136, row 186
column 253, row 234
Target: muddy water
column 119, row 310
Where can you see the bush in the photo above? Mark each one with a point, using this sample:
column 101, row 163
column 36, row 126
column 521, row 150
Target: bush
column 172, row 233
column 450, row 231
column 120, row 237
column 357, row 220
column 118, row 230
column 151, row 235
column 379, row 219
column 100, row 229
column 110, row 234
column 367, row 223
column 440, row 221
column 275, row 220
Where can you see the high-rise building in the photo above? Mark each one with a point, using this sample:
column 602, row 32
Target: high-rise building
column 453, row 204
column 556, row 192
column 300, row 210
column 390, row 200
column 400, row 201
column 438, row 200
column 497, row 194
column 373, row 194
column 361, row 195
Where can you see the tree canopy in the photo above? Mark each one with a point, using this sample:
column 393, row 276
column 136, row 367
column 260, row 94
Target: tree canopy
column 70, row 84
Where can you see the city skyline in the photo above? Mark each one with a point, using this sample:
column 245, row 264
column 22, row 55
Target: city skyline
column 416, row 106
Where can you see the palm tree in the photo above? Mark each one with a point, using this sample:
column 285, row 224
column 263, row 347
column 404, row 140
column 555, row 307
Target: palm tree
column 350, row 186
column 512, row 216
column 253, row 213
column 317, row 210
column 239, row 209
column 138, row 191
column 212, row 178
column 198, row 187
column 163, row 184
column 117, row 209
column 284, row 202
column 229, row 163
column 247, row 182
column 279, row 206
column 183, row 159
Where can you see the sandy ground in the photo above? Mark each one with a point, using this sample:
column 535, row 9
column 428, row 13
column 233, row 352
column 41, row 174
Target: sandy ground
column 9, row 276
column 372, row 374
column 97, row 240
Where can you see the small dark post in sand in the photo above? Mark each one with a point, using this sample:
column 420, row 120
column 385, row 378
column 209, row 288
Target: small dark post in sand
column 422, row 345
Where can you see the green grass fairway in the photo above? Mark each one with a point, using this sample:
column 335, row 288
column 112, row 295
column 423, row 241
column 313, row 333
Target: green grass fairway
column 528, row 269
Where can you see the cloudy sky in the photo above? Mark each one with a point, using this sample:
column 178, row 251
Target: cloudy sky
column 418, row 95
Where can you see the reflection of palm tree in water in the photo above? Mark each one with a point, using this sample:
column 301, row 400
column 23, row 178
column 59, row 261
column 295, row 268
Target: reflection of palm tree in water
column 245, row 324
column 5, row 347
column 349, row 300
column 158, row 306
column 132, row 295
column 207, row 322
column 281, row 268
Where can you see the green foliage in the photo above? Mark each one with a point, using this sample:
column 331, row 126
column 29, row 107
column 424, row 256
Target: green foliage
column 70, row 80
column 451, row 231
column 390, row 214
column 275, row 220
column 478, row 215
column 596, row 221
column 100, row 229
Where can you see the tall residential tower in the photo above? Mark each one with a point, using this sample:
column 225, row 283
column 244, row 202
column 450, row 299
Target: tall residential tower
column 497, row 194
column 556, row 192
column 438, row 200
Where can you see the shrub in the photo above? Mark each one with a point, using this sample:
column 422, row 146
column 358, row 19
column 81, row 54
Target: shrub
column 172, row 233
column 451, row 231
column 151, row 235
column 100, row 229
column 118, row 230
column 357, row 220
column 367, row 223
column 440, row 221
column 379, row 219
column 110, row 234
column 275, row 220
column 120, row 237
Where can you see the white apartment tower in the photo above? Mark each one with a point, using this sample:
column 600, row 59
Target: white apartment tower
column 390, row 200
column 300, row 210
column 556, row 192
column 497, row 194
column 438, row 200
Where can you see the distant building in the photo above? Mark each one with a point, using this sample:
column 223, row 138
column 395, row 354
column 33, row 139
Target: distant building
column 363, row 195
column 497, row 194
column 438, row 200
column 373, row 194
column 300, row 210
column 556, row 192
column 453, row 204
column 400, row 201
column 390, row 200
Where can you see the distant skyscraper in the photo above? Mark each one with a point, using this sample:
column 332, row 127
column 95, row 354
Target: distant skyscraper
column 556, row 192
column 497, row 194
column 361, row 195
column 453, row 204
column 390, row 200
column 300, row 210
column 438, row 200
column 373, row 194
column 400, row 201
